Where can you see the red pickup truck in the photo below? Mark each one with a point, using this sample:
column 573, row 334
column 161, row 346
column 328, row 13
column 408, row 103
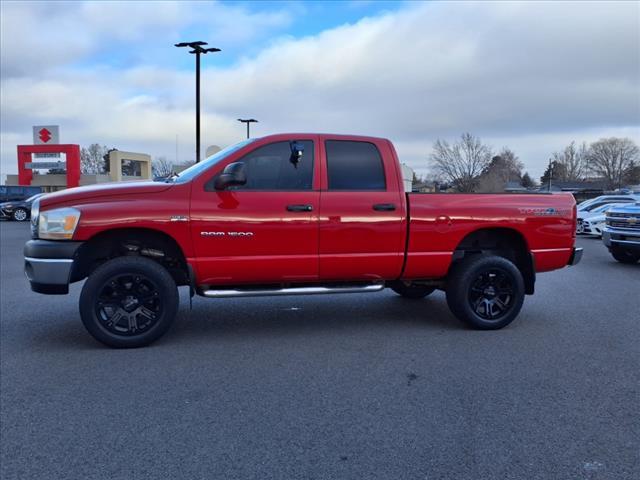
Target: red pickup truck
column 291, row 214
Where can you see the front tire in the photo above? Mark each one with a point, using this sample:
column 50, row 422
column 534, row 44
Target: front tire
column 20, row 215
column 486, row 292
column 129, row 302
column 624, row 255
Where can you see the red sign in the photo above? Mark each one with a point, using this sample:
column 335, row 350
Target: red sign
column 26, row 165
column 44, row 134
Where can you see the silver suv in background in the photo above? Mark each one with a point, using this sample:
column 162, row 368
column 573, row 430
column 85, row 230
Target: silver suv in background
column 621, row 233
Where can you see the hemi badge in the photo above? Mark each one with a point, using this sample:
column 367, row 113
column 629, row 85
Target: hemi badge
column 178, row 218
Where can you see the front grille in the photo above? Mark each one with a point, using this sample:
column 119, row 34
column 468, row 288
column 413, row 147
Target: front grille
column 623, row 215
column 623, row 223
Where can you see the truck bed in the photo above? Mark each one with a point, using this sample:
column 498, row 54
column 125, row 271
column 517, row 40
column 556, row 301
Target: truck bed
column 438, row 223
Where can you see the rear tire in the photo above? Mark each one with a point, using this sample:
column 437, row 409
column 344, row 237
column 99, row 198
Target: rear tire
column 129, row 302
column 20, row 215
column 624, row 255
column 412, row 291
column 485, row 291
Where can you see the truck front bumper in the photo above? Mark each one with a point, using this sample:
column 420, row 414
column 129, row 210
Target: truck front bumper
column 48, row 265
column 629, row 240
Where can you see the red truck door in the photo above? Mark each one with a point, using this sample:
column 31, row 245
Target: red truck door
column 265, row 231
column 362, row 211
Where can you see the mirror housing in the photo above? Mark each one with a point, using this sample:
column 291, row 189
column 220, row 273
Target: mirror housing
column 297, row 150
column 233, row 174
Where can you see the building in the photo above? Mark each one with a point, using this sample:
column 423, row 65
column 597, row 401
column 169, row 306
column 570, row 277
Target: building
column 123, row 166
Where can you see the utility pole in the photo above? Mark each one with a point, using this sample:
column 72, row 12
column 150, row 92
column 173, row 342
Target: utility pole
column 247, row 121
column 197, row 50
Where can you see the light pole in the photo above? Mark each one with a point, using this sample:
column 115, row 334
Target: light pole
column 197, row 50
column 247, row 121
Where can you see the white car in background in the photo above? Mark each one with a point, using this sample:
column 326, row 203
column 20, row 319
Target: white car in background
column 593, row 222
column 592, row 203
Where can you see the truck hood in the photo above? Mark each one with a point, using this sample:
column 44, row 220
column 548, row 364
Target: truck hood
column 92, row 192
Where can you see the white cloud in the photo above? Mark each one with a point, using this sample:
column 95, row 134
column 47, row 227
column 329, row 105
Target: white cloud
column 533, row 76
column 37, row 36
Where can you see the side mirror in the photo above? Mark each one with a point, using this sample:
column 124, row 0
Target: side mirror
column 297, row 150
column 232, row 175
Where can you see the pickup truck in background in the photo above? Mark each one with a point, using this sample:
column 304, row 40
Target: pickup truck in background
column 291, row 214
column 621, row 233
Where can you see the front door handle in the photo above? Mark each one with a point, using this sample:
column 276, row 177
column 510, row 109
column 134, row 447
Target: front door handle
column 299, row 208
column 384, row 207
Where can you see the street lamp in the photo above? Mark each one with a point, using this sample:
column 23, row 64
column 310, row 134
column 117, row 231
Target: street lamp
column 247, row 121
column 197, row 49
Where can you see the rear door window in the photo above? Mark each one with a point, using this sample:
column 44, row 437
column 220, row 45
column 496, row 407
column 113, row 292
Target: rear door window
column 354, row 166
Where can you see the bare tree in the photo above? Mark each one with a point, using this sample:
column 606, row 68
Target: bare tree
column 611, row 159
column 162, row 167
column 462, row 162
column 91, row 159
column 573, row 158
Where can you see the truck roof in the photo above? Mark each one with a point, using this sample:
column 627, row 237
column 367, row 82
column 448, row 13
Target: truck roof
column 339, row 136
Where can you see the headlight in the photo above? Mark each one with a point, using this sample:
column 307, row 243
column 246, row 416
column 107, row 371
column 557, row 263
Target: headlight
column 35, row 212
column 58, row 224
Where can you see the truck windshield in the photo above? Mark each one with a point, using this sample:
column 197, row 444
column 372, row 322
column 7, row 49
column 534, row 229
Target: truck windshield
column 196, row 169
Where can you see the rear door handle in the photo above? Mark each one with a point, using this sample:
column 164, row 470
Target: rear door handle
column 384, row 207
column 299, row 208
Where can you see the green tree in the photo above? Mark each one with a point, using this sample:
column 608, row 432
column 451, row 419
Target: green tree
column 632, row 174
column 527, row 181
column 555, row 171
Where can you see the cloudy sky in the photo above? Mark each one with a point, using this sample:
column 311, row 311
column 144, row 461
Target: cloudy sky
column 532, row 76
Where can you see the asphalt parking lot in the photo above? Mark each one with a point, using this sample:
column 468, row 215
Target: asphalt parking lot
column 367, row 386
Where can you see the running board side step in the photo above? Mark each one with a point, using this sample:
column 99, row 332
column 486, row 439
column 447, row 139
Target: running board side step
column 291, row 291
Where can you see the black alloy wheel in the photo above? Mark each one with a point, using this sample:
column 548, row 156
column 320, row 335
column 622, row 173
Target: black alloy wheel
column 485, row 291
column 129, row 302
column 492, row 294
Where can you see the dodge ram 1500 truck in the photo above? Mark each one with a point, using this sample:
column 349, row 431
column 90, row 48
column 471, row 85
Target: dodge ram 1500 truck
column 291, row 214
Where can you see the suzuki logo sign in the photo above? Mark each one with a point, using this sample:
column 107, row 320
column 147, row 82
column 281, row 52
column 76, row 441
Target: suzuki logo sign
column 46, row 134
